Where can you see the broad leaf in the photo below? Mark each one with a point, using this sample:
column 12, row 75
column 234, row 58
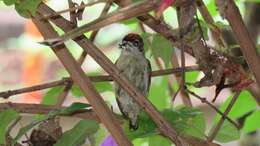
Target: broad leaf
column 162, row 48
column 9, row 2
column 51, row 97
column 244, row 104
column 77, row 135
column 228, row 132
column 252, row 122
column 100, row 86
column 6, row 117
column 185, row 120
column 159, row 140
column 27, row 8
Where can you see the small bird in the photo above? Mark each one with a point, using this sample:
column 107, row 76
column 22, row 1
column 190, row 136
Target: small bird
column 137, row 69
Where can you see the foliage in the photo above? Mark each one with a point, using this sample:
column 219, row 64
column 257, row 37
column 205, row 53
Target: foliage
column 77, row 135
column 25, row 8
column 6, row 117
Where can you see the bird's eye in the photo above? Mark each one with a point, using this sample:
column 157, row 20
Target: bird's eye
column 136, row 43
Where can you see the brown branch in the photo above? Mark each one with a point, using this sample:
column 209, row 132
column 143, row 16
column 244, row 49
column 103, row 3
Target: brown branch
column 221, row 121
column 73, row 9
column 229, row 10
column 7, row 94
column 101, row 78
column 184, row 96
column 45, row 109
column 204, row 100
column 128, row 12
column 164, row 127
column 93, row 35
column 78, row 76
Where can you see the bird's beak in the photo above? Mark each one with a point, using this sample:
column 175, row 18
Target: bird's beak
column 121, row 45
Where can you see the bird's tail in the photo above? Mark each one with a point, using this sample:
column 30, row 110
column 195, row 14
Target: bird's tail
column 133, row 124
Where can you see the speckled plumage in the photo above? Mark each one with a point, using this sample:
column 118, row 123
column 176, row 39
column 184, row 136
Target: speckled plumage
column 136, row 68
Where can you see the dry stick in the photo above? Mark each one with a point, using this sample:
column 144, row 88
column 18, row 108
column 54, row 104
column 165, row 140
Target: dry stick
column 101, row 78
column 48, row 16
column 221, row 121
column 204, row 100
column 232, row 14
column 93, row 35
column 164, row 126
column 89, row 91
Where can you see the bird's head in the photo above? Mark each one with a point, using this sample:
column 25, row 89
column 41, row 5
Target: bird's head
column 132, row 43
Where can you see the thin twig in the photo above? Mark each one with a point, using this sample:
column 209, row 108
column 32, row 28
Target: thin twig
column 184, row 96
column 204, row 100
column 101, row 78
column 221, row 121
column 73, row 9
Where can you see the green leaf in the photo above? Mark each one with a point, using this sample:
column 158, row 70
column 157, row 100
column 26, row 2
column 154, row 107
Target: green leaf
column 75, row 91
column 158, row 140
column 185, row 120
column 74, row 107
column 228, row 132
column 6, row 117
column 131, row 23
column 26, row 128
column 252, row 122
column 192, row 76
column 27, row 8
column 103, row 86
column 158, row 94
column 244, row 104
column 162, row 48
column 78, row 133
column 51, row 97
column 100, row 86
column 9, row 2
